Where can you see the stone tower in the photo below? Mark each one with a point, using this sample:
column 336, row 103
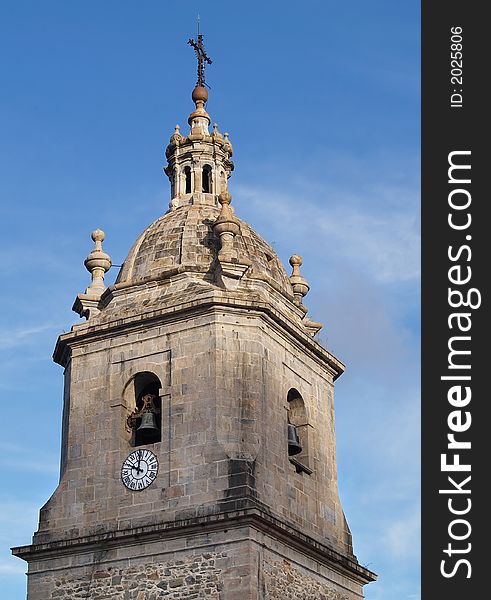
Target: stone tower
column 198, row 446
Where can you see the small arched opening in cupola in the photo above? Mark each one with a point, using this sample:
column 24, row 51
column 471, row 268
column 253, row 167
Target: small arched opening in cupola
column 206, row 180
column 187, row 175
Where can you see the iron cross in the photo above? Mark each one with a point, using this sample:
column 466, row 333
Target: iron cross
column 201, row 56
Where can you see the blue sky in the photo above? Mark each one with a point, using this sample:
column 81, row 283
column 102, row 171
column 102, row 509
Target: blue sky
column 321, row 100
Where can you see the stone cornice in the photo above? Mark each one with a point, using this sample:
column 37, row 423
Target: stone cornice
column 254, row 517
column 201, row 304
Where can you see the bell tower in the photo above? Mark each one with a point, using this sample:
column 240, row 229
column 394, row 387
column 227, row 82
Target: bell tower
column 198, row 446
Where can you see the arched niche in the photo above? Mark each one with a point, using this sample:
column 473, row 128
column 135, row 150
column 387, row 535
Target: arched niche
column 136, row 394
column 298, row 415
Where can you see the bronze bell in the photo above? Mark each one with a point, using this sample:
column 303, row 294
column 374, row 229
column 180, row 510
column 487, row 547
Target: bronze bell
column 148, row 426
column 294, row 446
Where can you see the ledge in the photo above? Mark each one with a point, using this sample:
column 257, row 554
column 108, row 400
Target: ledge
column 300, row 467
column 212, row 299
column 250, row 516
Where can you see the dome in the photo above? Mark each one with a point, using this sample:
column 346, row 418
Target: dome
column 183, row 240
column 199, row 248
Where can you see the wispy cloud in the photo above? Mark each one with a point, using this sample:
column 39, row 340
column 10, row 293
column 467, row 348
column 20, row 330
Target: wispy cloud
column 383, row 243
column 24, row 461
column 20, row 336
column 401, row 537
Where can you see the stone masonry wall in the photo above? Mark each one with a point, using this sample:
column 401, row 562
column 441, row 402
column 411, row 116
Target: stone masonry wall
column 282, row 581
column 242, row 563
column 192, row 577
column 225, row 377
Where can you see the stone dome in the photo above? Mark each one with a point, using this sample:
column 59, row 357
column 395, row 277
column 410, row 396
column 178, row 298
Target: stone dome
column 183, row 240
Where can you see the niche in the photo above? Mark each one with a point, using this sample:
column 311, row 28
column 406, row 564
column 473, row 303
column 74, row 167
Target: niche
column 297, row 416
column 145, row 420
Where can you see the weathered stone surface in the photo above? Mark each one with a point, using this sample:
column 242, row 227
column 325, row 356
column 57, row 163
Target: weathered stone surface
column 225, row 377
column 236, row 567
column 193, row 577
column 225, row 338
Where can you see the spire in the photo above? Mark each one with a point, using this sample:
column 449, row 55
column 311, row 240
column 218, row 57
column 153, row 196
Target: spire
column 199, row 165
column 199, row 119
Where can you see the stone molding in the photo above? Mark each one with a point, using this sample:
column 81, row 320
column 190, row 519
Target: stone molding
column 254, row 517
column 213, row 300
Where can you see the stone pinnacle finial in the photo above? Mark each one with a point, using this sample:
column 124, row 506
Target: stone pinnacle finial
column 216, row 134
column 299, row 283
column 225, row 198
column 231, row 266
column 97, row 263
column 176, row 137
column 226, row 225
column 226, row 143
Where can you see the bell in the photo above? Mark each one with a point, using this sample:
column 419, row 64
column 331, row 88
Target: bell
column 148, row 426
column 294, row 446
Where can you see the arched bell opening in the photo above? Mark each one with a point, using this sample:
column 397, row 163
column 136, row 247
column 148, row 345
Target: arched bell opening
column 187, row 180
column 173, row 183
column 145, row 421
column 206, row 180
column 298, row 429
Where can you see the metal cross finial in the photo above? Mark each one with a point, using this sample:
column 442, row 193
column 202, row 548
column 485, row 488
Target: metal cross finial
column 201, row 56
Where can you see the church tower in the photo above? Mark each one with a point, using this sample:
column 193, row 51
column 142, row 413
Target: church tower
column 198, row 446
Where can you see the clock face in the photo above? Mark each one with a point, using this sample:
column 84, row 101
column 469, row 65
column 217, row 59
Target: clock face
column 139, row 470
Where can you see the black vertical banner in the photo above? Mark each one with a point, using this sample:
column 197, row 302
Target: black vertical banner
column 456, row 354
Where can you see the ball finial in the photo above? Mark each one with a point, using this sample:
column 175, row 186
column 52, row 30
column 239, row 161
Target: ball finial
column 200, row 94
column 98, row 235
column 97, row 263
column 225, row 198
column 299, row 283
